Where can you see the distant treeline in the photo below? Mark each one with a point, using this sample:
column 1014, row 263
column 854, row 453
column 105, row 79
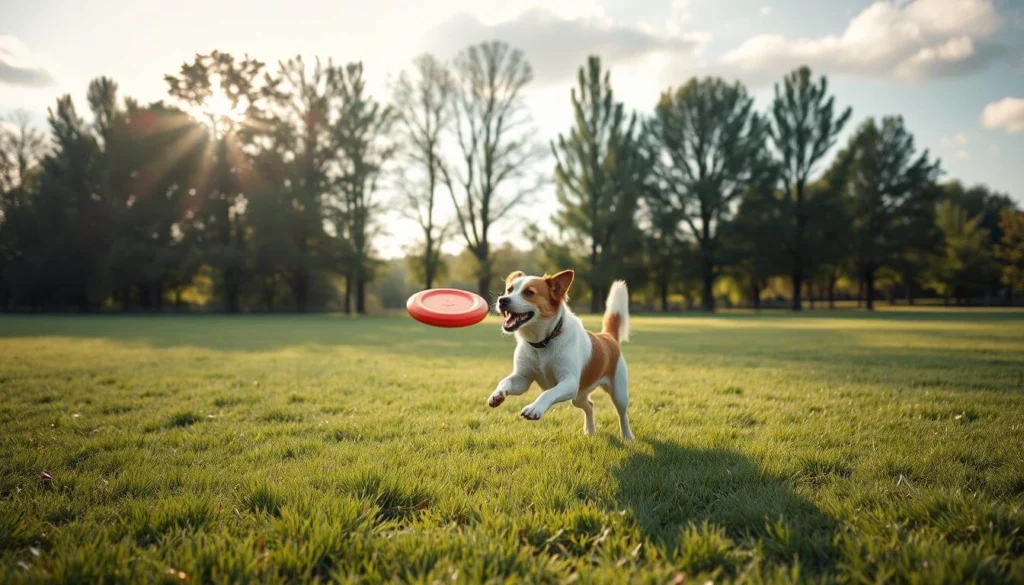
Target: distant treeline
column 263, row 188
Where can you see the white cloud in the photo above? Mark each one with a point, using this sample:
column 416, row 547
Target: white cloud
column 557, row 46
column 1007, row 113
column 679, row 15
column 962, row 155
column 915, row 40
column 766, row 10
column 18, row 66
column 957, row 139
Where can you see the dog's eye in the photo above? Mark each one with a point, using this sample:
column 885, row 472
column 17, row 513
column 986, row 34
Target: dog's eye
column 528, row 293
column 509, row 290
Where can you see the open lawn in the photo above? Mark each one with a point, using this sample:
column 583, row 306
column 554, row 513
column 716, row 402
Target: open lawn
column 826, row 447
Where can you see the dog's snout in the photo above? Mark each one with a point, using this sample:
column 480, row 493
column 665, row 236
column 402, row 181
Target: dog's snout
column 503, row 302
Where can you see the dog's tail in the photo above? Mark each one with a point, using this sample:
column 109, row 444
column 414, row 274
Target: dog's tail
column 616, row 312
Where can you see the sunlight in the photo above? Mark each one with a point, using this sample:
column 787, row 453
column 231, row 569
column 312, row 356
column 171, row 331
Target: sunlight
column 218, row 111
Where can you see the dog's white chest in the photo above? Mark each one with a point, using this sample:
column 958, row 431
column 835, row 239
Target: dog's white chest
column 550, row 367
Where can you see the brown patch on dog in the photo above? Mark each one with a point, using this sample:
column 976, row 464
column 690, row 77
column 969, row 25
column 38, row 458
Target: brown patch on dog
column 512, row 277
column 610, row 325
column 604, row 358
column 537, row 292
column 559, row 284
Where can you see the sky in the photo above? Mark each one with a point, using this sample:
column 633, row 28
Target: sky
column 954, row 69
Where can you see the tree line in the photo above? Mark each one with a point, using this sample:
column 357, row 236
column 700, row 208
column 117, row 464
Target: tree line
column 256, row 187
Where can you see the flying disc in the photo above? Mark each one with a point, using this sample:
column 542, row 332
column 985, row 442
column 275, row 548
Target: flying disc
column 447, row 307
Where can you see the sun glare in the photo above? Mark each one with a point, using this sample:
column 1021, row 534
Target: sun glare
column 218, row 111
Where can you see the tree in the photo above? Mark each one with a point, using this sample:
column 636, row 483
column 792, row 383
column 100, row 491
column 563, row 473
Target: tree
column 67, row 264
column 751, row 244
column 496, row 145
column 918, row 240
column 231, row 95
column 888, row 187
column 422, row 101
column 363, row 137
column 964, row 258
column 710, row 148
column 305, row 101
column 21, row 149
column 988, row 205
column 1010, row 250
column 803, row 129
column 147, row 175
column 600, row 174
column 667, row 253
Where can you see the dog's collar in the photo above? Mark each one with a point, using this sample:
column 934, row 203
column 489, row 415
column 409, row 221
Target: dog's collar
column 554, row 333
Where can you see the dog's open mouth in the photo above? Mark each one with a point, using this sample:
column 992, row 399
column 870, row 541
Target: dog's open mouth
column 514, row 321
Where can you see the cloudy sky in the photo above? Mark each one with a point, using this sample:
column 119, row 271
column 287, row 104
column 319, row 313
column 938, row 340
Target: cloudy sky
column 953, row 68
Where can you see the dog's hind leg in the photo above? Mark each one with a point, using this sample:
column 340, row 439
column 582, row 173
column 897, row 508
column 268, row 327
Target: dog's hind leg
column 584, row 403
column 619, row 391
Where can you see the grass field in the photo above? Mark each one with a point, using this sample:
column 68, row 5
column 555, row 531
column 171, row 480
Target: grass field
column 827, row 447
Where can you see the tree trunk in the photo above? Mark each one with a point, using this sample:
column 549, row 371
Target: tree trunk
column 860, row 290
column 755, row 296
column 707, row 298
column 891, row 293
column 598, row 295
column 268, row 297
column 869, row 289
column 231, row 292
column 909, row 293
column 428, row 271
column 483, row 286
column 831, row 292
column 429, row 264
column 483, row 283
column 300, row 290
column 361, row 296
column 664, row 296
column 798, row 279
column 348, row 294
column 810, row 293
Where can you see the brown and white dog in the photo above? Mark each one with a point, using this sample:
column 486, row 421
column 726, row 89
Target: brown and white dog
column 555, row 351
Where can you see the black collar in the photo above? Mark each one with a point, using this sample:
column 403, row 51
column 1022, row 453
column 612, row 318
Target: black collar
column 554, row 333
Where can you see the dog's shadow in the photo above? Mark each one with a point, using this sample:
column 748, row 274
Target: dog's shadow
column 677, row 495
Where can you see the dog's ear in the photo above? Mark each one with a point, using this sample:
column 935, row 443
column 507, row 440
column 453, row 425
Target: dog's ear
column 512, row 276
column 559, row 284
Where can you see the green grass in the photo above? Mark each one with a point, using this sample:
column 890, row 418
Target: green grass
column 826, row 447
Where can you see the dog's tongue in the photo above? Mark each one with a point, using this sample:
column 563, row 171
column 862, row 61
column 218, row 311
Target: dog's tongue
column 510, row 319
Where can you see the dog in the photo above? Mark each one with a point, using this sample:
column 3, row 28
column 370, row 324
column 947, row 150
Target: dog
column 554, row 350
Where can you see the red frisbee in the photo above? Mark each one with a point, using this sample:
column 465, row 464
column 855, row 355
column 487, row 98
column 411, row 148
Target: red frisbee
column 447, row 307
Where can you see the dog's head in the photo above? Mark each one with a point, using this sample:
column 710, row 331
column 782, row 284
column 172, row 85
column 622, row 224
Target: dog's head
column 532, row 301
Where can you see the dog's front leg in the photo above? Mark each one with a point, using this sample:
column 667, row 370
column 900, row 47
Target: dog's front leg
column 515, row 384
column 564, row 390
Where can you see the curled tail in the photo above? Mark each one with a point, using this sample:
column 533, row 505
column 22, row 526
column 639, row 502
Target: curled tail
column 616, row 312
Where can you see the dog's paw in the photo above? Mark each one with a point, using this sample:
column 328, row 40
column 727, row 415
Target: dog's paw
column 531, row 412
column 496, row 398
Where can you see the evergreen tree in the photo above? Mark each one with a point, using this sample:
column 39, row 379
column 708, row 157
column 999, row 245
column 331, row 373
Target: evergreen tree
column 803, row 129
column 363, row 136
column 710, row 149
column 600, row 174
column 1010, row 251
column 888, row 189
column 964, row 258
column 231, row 95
